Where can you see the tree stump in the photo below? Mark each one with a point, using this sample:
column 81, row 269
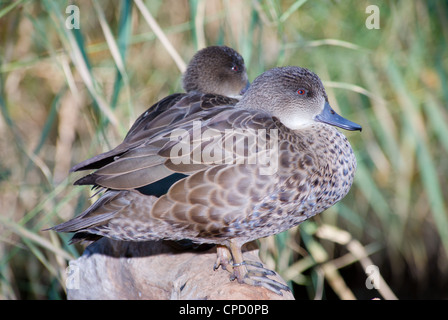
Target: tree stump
column 111, row 269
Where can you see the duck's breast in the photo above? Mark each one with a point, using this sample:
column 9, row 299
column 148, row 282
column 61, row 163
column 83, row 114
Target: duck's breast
column 316, row 168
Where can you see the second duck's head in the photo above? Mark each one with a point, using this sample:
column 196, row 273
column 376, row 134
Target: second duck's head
column 218, row 70
column 294, row 95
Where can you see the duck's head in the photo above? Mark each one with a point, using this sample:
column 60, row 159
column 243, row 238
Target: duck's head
column 218, row 70
column 294, row 95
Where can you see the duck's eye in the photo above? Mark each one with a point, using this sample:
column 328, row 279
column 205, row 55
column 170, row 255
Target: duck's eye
column 302, row 92
column 235, row 68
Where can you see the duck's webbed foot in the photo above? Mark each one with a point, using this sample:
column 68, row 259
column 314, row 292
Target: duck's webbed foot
column 248, row 272
column 254, row 274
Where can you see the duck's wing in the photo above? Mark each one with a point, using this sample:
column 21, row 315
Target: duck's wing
column 203, row 139
column 154, row 120
column 223, row 194
column 211, row 203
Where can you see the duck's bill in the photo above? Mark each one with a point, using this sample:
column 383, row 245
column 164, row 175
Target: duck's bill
column 329, row 116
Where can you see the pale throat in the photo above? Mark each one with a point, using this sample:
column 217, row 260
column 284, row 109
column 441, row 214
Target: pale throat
column 297, row 123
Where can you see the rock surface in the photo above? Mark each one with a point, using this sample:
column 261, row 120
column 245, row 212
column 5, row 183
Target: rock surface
column 111, row 269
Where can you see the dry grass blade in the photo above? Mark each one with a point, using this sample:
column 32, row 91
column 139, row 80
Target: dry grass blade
column 199, row 25
column 294, row 7
column 161, row 35
column 335, row 42
column 117, row 56
column 354, row 88
column 344, row 238
column 321, row 257
column 111, row 41
column 23, row 232
column 81, row 65
column 10, row 7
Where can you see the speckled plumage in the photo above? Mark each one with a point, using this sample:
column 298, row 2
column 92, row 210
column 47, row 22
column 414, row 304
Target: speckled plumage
column 229, row 204
column 236, row 202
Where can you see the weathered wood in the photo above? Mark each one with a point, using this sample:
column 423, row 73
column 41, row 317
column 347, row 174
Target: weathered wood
column 111, row 269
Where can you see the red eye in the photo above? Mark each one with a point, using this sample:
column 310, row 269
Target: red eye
column 235, row 68
column 302, row 92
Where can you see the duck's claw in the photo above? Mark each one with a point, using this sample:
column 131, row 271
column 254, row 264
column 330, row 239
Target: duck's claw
column 265, row 282
column 257, row 276
column 248, row 272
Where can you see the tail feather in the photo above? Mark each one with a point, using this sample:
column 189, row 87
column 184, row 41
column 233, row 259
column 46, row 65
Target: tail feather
column 91, row 217
column 87, row 180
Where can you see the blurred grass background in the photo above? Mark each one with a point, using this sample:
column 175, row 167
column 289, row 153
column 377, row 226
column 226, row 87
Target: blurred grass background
column 68, row 94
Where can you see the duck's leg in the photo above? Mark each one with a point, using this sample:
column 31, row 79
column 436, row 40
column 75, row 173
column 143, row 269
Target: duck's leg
column 257, row 277
column 223, row 258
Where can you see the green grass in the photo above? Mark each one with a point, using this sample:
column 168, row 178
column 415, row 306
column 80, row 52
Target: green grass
column 66, row 95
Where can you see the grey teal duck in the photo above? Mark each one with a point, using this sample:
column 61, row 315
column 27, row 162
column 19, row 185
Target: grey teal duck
column 233, row 202
column 216, row 75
